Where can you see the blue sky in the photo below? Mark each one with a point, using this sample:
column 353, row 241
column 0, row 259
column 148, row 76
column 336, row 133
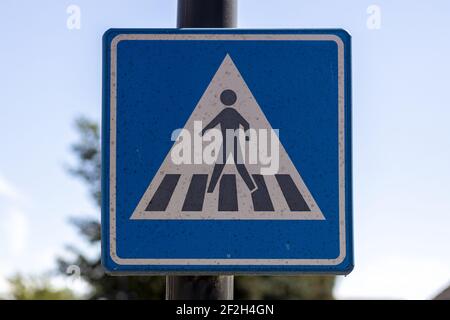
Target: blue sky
column 50, row 75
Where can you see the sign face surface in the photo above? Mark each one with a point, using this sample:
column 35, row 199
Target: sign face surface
column 226, row 151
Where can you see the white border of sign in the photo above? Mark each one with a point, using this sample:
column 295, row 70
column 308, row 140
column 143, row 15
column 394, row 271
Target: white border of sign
column 222, row 37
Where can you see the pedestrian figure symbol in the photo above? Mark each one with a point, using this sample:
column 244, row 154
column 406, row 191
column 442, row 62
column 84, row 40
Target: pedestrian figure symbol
column 202, row 190
column 229, row 119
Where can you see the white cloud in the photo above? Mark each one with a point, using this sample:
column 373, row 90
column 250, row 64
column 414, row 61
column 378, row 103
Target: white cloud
column 7, row 190
column 14, row 225
column 15, row 230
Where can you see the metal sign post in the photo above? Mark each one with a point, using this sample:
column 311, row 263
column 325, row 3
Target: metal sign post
column 207, row 14
column 203, row 14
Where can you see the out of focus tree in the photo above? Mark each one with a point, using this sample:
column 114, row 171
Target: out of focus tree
column 87, row 150
column 36, row 288
column 293, row 287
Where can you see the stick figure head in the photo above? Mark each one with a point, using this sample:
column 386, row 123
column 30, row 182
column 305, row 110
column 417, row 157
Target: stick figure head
column 228, row 97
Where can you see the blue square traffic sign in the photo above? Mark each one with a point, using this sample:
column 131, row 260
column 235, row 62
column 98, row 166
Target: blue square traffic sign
column 226, row 151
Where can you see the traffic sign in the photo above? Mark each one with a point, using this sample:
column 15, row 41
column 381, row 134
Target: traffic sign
column 226, row 151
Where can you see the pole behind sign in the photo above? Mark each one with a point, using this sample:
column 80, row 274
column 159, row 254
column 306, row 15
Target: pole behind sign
column 203, row 14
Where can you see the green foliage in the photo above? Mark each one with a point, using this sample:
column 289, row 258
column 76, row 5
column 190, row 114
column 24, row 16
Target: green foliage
column 37, row 288
column 110, row 287
column 103, row 286
column 282, row 288
column 89, row 156
column 87, row 150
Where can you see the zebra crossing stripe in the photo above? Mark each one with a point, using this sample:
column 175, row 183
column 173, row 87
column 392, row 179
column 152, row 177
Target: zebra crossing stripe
column 261, row 197
column 165, row 190
column 196, row 193
column 228, row 198
column 294, row 198
column 228, row 195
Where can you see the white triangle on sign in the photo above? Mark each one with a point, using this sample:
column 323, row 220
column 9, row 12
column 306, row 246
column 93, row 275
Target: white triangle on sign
column 174, row 192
